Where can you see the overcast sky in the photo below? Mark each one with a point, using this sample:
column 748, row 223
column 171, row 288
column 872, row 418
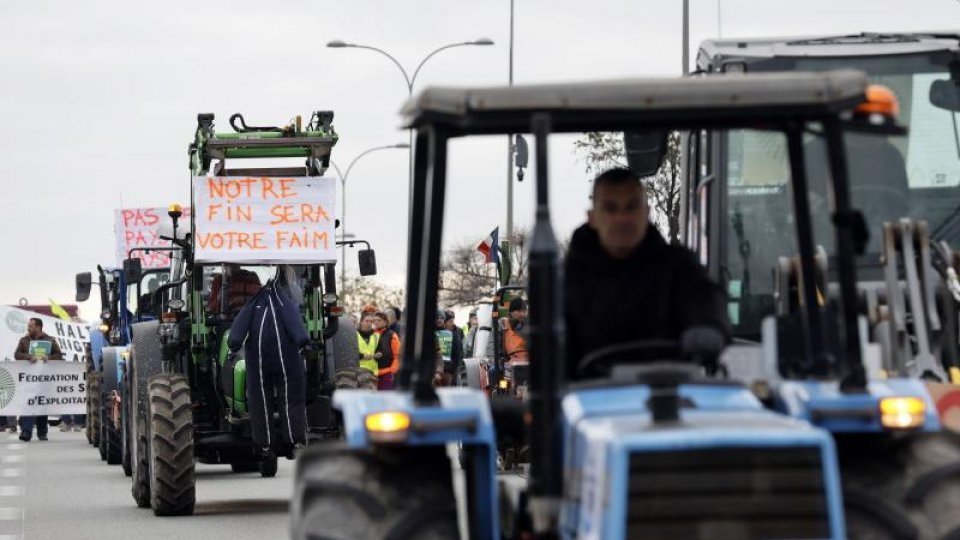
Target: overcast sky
column 99, row 100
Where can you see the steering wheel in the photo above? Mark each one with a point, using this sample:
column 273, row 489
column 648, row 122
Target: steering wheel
column 646, row 351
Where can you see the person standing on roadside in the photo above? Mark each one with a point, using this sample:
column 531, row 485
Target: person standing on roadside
column 389, row 349
column 35, row 333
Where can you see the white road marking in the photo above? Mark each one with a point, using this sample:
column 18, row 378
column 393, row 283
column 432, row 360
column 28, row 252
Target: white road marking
column 11, row 513
column 11, row 491
column 11, row 473
column 13, row 447
column 11, row 459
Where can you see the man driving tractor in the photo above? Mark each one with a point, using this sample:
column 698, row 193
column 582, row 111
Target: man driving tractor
column 624, row 283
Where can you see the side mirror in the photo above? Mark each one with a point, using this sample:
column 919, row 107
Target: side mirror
column 645, row 151
column 132, row 270
column 84, row 283
column 523, row 153
column 522, row 157
column 945, row 94
column 367, row 259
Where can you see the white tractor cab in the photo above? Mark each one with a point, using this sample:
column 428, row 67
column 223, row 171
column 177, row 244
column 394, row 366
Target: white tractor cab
column 647, row 450
column 888, row 292
column 905, row 185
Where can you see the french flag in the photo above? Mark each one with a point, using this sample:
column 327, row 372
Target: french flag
column 490, row 247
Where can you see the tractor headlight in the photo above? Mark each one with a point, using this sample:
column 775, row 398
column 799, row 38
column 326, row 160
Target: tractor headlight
column 389, row 426
column 176, row 304
column 902, row 412
column 329, row 298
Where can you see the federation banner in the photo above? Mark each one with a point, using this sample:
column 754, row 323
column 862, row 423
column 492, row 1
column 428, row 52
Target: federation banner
column 72, row 337
column 42, row 388
column 264, row 220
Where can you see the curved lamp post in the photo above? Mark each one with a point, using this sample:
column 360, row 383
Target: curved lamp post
column 343, row 199
column 410, row 81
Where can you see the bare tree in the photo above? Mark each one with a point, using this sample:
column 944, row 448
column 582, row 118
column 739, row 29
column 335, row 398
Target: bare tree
column 604, row 150
column 465, row 277
column 359, row 291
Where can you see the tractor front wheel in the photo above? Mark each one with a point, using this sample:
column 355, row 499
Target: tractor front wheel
column 342, row 494
column 172, row 479
column 898, row 487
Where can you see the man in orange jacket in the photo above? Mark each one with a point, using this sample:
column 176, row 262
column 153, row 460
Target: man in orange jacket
column 514, row 346
column 389, row 349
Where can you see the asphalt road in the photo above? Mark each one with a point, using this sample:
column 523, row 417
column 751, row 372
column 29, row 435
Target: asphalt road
column 59, row 489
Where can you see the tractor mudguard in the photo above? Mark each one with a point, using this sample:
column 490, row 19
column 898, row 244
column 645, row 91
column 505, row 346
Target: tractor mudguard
column 461, row 416
column 145, row 361
column 97, row 343
column 823, row 404
column 240, row 386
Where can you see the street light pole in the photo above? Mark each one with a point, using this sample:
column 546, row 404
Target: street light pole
column 410, row 81
column 343, row 201
column 510, row 149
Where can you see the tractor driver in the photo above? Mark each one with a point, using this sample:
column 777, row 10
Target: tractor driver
column 243, row 284
column 624, row 283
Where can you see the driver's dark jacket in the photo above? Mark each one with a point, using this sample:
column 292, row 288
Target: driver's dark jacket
column 656, row 293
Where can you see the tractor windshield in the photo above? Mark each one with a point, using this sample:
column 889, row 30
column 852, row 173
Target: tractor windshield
column 914, row 176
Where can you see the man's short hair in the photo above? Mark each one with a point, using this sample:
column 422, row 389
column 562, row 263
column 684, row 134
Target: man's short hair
column 36, row 321
column 517, row 304
column 616, row 176
column 396, row 311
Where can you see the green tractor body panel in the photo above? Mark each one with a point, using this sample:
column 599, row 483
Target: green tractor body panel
column 239, row 404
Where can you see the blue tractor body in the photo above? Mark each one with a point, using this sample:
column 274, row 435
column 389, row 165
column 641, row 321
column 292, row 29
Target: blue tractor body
column 647, row 448
column 823, row 404
column 608, row 433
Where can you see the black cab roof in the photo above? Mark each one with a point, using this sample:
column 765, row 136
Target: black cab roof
column 613, row 104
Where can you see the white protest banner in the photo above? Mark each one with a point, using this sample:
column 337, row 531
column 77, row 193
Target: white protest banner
column 42, row 388
column 140, row 228
column 264, row 220
column 71, row 336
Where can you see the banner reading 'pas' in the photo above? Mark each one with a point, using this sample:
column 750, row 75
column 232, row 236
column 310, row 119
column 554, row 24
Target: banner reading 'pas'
column 141, row 228
column 264, row 220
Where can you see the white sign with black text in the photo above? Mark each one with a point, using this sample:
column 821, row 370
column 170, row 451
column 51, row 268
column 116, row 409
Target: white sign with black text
column 42, row 388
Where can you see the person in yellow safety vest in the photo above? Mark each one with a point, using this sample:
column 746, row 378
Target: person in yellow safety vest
column 369, row 342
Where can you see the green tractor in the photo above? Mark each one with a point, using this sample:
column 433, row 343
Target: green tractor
column 188, row 392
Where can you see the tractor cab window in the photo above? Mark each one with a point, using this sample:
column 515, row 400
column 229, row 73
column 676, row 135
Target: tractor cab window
column 243, row 282
column 914, row 176
column 141, row 300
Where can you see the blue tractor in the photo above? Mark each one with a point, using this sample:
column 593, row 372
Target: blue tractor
column 652, row 449
column 897, row 270
column 122, row 303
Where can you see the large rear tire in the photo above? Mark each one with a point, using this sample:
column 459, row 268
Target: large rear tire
column 102, row 439
column 144, row 361
column 343, row 494
column 141, row 467
column 172, row 478
column 93, row 408
column 109, row 383
column 902, row 487
column 126, row 459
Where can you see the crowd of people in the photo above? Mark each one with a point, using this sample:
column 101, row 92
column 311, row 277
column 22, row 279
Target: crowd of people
column 379, row 335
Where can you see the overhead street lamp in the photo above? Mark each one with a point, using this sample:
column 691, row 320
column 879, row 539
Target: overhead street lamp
column 410, row 80
column 343, row 200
